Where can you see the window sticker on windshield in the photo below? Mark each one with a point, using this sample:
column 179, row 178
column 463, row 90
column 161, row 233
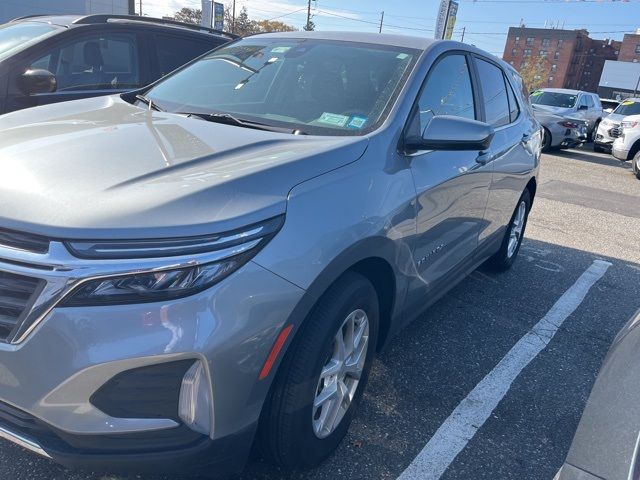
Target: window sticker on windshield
column 357, row 122
column 537, row 93
column 627, row 102
column 402, row 56
column 334, row 119
column 280, row 49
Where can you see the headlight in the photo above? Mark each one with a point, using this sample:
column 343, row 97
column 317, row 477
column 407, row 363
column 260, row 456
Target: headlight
column 235, row 249
column 631, row 124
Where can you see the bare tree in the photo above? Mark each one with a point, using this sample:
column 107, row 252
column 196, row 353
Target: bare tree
column 189, row 15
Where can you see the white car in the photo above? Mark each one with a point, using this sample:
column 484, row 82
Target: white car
column 627, row 145
column 609, row 128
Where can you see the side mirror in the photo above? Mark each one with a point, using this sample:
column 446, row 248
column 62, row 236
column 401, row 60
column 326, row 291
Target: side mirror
column 37, row 80
column 583, row 107
column 446, row 132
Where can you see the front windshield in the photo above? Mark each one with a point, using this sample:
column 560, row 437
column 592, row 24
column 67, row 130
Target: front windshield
column 553, row 99
column 628, row 107
column 14, row 36
column 316, row 86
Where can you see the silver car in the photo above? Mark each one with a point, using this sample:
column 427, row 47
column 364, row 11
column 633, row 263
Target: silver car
column 607, row 441
column 214, row 261
column 570, row 103
column 560, row 132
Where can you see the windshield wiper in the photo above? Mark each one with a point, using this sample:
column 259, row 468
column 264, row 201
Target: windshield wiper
column 229, row 119
column 149, row 102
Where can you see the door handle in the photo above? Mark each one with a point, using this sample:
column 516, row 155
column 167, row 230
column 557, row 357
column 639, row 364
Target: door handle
column 484, row 157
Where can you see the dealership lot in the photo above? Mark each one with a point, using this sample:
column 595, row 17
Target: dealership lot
column 587, row 209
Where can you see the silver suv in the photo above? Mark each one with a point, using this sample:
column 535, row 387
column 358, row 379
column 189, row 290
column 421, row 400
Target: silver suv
column 214, row 261
column 584, row 106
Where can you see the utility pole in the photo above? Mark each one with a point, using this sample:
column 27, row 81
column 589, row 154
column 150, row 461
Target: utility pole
column 212, row 7
column 463, row 30
column 140, row 7
column 233, row 17
column 309, row 15
column 381, row 21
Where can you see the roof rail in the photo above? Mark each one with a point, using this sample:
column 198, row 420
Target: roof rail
column 88, row 19
column 28, row 16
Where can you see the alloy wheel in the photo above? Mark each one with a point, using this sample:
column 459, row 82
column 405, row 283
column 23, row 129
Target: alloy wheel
column 341, row 374
column 517, row 227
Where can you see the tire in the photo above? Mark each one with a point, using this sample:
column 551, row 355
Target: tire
column 290, row 433
column 636, row 165
column 506, row 256
column 597, row 148
column 592, row 136
column 546, row 140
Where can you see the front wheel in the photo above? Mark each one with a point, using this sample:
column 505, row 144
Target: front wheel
column 636, row 165
column 506, row 256
column 318, row 387
column 597, row 148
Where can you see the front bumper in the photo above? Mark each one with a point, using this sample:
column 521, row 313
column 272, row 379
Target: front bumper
column 619, row 153
column 50, row 377
column 181, row 451
column 606, row 135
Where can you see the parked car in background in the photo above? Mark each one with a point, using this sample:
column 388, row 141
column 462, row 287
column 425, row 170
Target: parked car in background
column 560, row 132
column 47, row 59
column 609, row 104
column 627, row 145
column 570, row 103
column 609, row 128
column 215, row 259
column 606, row 443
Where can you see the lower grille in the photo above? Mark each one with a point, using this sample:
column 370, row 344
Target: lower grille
column 615, row 132
column 17, row 292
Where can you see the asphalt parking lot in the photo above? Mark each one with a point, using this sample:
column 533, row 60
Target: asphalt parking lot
column 587, row 210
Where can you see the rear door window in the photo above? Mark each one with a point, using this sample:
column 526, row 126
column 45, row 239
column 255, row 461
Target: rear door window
column 173, row 52
column 494, row 93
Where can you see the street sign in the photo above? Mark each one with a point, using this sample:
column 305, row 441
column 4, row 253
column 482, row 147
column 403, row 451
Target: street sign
column 207, row 15
column 441, row 21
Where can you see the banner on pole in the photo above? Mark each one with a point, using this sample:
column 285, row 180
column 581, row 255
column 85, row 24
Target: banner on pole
column 451, row 20
column 218, row 16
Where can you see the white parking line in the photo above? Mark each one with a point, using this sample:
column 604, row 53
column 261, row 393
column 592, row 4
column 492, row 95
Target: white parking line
column 457, row 430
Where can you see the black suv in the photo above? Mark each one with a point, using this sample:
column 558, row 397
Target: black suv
column 46, row 59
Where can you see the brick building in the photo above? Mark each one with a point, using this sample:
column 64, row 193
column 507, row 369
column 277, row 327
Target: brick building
column 630, row 49
column 571, row 58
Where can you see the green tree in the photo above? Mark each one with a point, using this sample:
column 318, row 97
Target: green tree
column 534, row 73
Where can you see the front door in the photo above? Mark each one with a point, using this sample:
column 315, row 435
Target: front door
column 87, row 65
column 451, row 186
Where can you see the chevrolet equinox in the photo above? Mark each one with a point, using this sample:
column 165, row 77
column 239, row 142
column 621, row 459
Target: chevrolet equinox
column 213, row 261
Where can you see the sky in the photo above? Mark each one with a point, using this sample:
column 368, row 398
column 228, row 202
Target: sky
column 486, row 21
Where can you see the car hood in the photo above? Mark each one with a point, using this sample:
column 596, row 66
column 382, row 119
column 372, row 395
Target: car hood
column 548, row 118
column 103, row 168
column 555, row 110
column 613, row 118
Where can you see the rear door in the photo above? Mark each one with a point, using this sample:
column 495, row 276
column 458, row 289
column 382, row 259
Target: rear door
column 452, row 186
column 86, row 63
column 170, row 51
column 512, row 152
